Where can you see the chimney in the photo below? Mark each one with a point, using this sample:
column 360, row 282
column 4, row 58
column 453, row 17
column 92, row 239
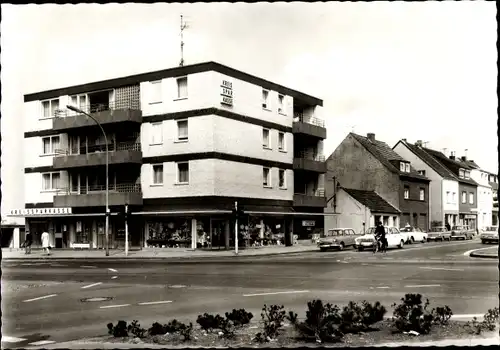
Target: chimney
column 404, row 140
column 452, row 155
column 371, row 136
column 464, row 158
column 418, row 143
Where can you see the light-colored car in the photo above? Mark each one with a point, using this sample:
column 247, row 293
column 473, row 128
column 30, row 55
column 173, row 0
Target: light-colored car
column 489, row 234
column 414, row 234
column 439, row 233
column 393, row 236
column 337, row 238
column 462, row 232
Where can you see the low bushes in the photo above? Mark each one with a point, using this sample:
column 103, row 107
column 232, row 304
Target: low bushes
column 227, row 326
column 273, row 317
column 489, row 323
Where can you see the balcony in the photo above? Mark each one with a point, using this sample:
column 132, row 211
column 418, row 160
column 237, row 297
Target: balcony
column 310, row 126
column 308, row 161
column 105, row 113
column 120, row 153
column 95, row 196
column 316, row 199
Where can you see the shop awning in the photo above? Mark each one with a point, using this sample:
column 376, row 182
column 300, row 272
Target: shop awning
column 182, row 212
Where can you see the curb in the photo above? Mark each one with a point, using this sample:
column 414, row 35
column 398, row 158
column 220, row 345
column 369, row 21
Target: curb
column 484, row 256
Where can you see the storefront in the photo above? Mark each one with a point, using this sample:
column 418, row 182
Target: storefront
column 468, row 220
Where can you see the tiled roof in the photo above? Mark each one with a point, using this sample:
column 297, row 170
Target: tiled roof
column 451, row 165
column 372, row 200
column 431, row 161
column 494, row 185
column 385, row 154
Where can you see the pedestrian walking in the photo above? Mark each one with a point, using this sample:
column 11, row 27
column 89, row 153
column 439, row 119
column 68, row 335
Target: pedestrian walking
column 45, row 242
column 28, row 241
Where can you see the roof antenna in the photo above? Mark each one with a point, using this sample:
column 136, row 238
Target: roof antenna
column 425, row 144
column 466, row 152
column 183, row 26
column 444, row 150
column 352, row 128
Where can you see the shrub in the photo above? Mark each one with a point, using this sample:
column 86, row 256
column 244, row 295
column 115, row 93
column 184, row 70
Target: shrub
column 411, row 315
column 442, row 315
column 157, row 329
column 239, row 317
column 272, row 317
column 321, row 322
column 489, row 322
column 186, row 331
column 120, row 330
column 136, row 330
column 208, row 322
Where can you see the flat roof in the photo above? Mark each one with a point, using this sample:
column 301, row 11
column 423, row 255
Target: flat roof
column 169, row 73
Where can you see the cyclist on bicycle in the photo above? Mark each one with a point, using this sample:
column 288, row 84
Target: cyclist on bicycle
column 380, row 237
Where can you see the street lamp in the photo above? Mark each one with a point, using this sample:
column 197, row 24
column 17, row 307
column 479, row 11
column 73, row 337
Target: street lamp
column 77, row 110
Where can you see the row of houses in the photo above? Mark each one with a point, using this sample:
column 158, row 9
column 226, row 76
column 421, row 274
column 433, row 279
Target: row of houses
column 187, row 143
column 368, row 181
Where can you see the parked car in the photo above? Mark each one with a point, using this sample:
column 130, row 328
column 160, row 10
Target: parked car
column 439, row 233
column 414, row 234
column 337, row 238
column 462, row 232
column 394, row 239
column 489, row 234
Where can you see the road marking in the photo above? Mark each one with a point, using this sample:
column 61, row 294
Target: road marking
column 428, row 247
column 423, row 285
column 92, row 285
column 114, row 277
column 42, row 342
column 113, row 270
column 111, row 306
column 88, row 267
column 156, row 302
column 384, row 287
column 56, row 264
column 440, row 268
column 276, row 293
column 468, row 316
column 8, row 339
column 39, row 298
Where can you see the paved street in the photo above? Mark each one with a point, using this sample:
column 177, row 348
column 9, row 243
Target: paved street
column 43, row 301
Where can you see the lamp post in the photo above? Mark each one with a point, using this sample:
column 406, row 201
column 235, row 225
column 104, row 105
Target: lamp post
column 78, row 110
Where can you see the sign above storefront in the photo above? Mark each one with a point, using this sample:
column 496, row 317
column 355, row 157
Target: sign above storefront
column 226, row 93
column 308, row 223
column 40, row 212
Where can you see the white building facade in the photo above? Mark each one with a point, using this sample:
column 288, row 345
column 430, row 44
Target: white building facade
column 184, row 145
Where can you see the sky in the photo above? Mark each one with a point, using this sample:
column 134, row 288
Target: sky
column 416, row 70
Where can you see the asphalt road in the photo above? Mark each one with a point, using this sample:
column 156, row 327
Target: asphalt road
column 44, row 301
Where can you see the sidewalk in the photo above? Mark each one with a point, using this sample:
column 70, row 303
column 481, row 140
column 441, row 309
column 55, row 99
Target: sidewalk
column 488, row 253
column 155, row 253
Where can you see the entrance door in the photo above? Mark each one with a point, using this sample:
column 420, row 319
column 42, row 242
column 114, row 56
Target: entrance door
column 217, row 235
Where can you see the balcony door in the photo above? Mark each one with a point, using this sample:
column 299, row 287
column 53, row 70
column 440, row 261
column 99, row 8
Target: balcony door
column 75, row 183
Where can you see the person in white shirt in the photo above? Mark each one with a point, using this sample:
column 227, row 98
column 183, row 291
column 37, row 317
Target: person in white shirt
column 45, row 242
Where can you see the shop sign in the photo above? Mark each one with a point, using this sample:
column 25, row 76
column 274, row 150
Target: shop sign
column 470, row 216
column 40, row 211
column 226, row 93
column 308, row 223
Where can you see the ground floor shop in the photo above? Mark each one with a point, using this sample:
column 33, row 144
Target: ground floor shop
column 451, row 219
column 468, row 219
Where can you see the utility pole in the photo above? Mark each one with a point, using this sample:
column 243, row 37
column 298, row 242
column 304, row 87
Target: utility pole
column 183, row 26
column 236, row 228
column 126, row 229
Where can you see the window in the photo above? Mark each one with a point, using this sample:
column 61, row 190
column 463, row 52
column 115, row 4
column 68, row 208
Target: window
column 266, row 180
column 461, row 173
column 50, row 181
column 155, row 92
column 421, row 172
column 50, row 144
column 464, row 197
column 281, row 141
column 156, row 133
column 281, row 99
column 467, row 174
column 402, row 166
column 266, row 142
column 182, row 130
column 407, row 192
column 49, row 108
column 158, row 174
column 182, row 87
column 448, row 197
column 282, row 179
column 265, row 95
column 454, row 198
column 471, row 198
column 182, row 173
column 407, row 167
column 422, row 194
column 80, row 101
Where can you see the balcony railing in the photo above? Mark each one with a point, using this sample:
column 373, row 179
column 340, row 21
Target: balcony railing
column 318, row 193
column 121, row 146
column 300, row 117
column 310, row 156
column 99, row 107
column 113, row 188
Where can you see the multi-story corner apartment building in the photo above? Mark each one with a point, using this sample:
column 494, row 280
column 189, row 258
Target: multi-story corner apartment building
column 493, row 181
column 443, row 188
column 364, row 163
column 484, row 192
column 184, row 144
column 467, row 187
